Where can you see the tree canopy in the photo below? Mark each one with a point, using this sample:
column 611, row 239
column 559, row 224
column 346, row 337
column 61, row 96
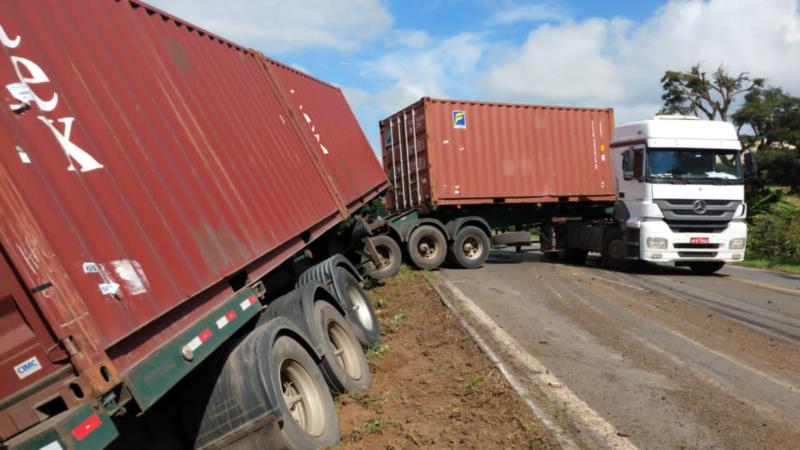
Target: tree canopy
column 705, row 95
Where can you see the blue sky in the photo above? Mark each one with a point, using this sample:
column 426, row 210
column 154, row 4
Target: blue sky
column 387, row 54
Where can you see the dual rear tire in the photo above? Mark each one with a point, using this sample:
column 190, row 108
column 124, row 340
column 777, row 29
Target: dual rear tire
column 428, row 248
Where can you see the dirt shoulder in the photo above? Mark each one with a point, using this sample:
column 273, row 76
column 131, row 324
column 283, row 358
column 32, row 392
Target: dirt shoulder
column 431, row 386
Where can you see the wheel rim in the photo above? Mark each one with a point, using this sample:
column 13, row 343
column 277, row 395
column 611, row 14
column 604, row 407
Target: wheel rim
column 428, row 248
column 302, row 397
column 472, row 247
column 360, row 306
column 616, row 250
column 344, row 350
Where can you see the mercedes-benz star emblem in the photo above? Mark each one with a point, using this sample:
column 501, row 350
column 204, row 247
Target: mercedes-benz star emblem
column 699, row 207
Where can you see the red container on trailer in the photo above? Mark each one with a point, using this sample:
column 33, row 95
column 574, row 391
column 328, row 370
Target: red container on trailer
column 449, row 152
column 143, row 162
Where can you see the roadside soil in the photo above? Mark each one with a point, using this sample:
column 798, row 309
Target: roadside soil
column 432, row 387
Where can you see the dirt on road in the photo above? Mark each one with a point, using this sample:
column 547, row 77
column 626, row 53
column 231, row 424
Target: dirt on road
column 432, row 387
column 664, row 370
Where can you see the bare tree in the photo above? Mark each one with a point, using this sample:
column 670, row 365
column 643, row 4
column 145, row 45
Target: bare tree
column 702, row 94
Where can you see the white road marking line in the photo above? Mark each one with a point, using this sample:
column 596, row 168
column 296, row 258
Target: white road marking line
column 580, row 412
column 559, row 433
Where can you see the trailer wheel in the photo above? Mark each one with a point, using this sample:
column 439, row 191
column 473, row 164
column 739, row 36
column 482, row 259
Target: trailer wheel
column 344, row 364
column 361, row 315
column 706, row 267
column 389, row 251
column 309, row 415
column 470, row 248
column 613, row 254
column 576, row 255
column 427, row 247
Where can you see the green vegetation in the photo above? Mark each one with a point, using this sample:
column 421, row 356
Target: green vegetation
column 373, row 426
column 377, row 351
column 774, row 235
column 771, row 264
column 473, row 382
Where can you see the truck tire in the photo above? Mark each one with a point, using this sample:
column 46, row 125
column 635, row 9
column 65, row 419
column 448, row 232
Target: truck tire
column 427, row 247
column 360, row 313
column 706, row 267
column 575, row 255
column 391, row 254
column 470, row 248
column 309, row 414
column 613, row 254
column 344, row 365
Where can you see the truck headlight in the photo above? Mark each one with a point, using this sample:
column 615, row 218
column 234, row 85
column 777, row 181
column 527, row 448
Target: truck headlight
column 657, row 243
column 737, row 244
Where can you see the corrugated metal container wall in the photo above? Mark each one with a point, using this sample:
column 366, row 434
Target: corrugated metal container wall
column 338, row 139
column 444, row 152
column 142, row 163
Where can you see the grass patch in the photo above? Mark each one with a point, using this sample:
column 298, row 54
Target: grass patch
column 473, row 382
column 431, row 276
column 771, row 264
column 373, row 426
column 377, row 351
column 379, row 301
column 405, row 273
column 398, row 317
column 366, row 401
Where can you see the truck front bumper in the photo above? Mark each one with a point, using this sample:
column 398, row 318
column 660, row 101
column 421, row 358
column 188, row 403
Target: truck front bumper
column 688, row 247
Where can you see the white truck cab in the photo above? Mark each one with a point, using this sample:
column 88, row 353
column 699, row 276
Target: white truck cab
column 680, row 191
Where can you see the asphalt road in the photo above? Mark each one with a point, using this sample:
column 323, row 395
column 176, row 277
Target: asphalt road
column 668, row 358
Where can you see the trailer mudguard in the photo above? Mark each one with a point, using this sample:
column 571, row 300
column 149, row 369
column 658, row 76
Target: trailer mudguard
column 452, row 227
column 404, row 229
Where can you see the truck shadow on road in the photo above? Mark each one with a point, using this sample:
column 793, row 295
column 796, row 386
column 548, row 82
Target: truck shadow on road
column 511, row 256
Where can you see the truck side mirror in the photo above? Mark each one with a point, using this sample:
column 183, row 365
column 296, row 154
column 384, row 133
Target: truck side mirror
column 627, row 170
column 750, row 165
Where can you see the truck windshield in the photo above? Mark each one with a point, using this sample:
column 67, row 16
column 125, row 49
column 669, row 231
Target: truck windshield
column 688, row 165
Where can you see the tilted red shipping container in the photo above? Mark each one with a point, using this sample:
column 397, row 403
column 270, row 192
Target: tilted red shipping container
column 143, row 162
column 449, row 152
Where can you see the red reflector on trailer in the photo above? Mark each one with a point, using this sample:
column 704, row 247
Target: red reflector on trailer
column 230, row 315
column 205, row 335
column 86, row 427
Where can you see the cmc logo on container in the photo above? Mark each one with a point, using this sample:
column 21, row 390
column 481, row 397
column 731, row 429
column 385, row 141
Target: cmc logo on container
column 27, row 368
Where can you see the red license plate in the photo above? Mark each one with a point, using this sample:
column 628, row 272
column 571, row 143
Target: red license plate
column 698, row 240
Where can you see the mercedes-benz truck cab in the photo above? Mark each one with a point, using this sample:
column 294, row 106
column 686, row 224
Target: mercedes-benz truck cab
column 680, row 188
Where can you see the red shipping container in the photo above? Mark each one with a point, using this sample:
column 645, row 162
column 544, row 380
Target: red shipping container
column 143, row 162
column 449, row 152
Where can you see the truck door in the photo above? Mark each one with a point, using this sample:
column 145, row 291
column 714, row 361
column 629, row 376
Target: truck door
column 25, row 340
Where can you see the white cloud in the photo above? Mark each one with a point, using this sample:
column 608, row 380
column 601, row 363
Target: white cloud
column 436, row 71
column 409, row 38
column 563, row 63
column 275, row 26
column 615, row 63
column 526, row 13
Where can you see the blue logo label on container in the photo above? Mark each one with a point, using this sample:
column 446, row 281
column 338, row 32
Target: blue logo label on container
column 459, row 119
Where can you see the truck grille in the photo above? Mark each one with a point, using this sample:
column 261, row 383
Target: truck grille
column 697, row 216
column 695, row 246
column 697, row 254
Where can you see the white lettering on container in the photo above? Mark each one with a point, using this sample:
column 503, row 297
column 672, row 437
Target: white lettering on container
column 23, row 92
